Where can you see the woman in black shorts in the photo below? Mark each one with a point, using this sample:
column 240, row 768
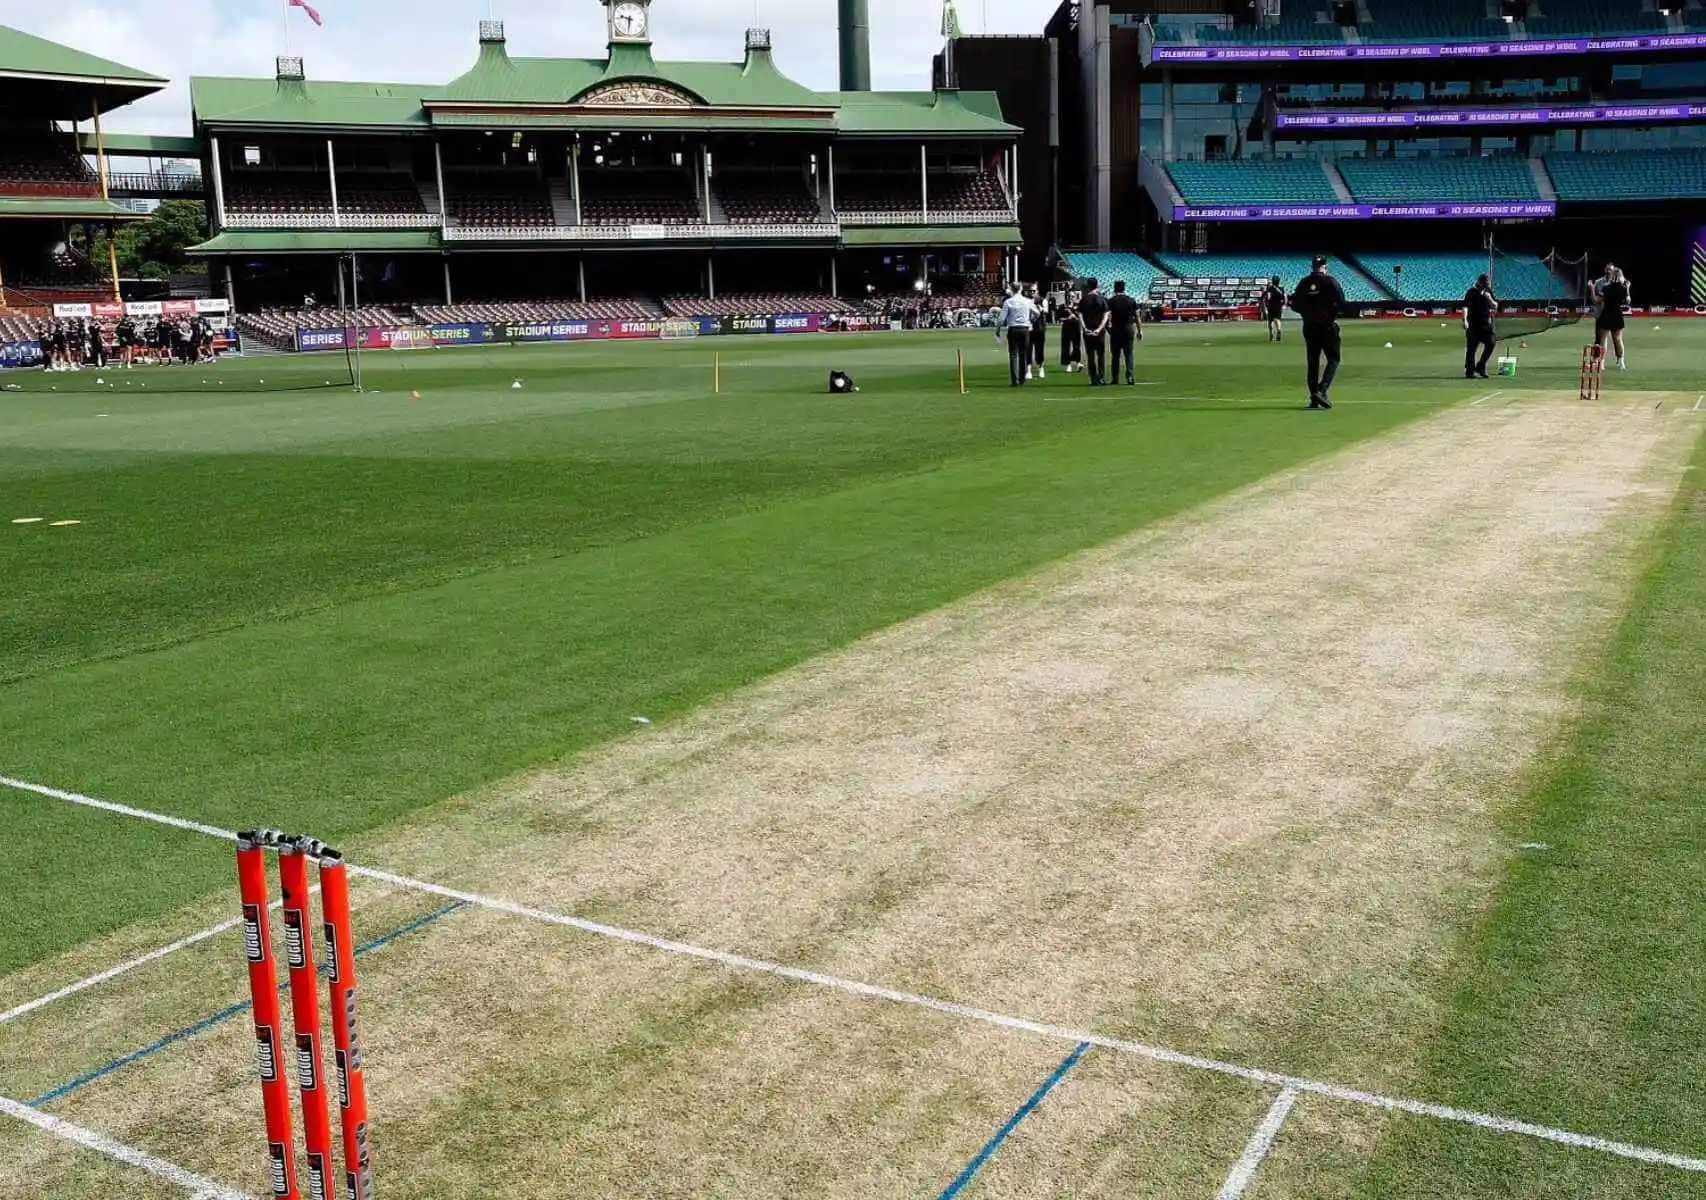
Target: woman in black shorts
column 1613, row 300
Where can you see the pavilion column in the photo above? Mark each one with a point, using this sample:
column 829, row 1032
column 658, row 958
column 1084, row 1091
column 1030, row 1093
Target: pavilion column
column 710, row 278
column 924, row 179
column 438, row 168
column 230, row 288
column 834, row 279
column 112, row 256
column 705, row 179
column 582, row 265
column 832, row 179
column 575, row 177
column 332, row 174
column 218, row 184
column 1167, row 147
column 449, row 296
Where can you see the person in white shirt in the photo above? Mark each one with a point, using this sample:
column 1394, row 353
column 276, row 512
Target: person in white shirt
column 1016, row 316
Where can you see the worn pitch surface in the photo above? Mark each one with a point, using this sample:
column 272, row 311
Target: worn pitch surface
column 1227, row 785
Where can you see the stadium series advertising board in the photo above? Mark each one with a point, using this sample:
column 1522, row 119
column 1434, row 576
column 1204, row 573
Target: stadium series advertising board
column 1388, row 51
column 1588, row 114
column 1362, row 212
column 477, row 333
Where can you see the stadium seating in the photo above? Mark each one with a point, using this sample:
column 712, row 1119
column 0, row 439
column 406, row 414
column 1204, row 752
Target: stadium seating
column 538, row 310
column 1573, row 18
column 638, row 197
column 765, row 198
column 1629, row 174
column 278, row 326
column 870, row 192
column 1289, row 267
column 1295, row 28
column 43, row 166
column 1107, row 268
column 278, row 194
column 1445, row 276
column 1410, row 180
column 1433, row 21
column 966, row 191
column 1253, row 181
column 733, row 304
column 379, row 194
column 504, row 199
column 23, row 325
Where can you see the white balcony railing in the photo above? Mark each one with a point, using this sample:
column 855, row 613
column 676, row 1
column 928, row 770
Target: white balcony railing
column 626, row 233
column 945, row 216
column 325, row 220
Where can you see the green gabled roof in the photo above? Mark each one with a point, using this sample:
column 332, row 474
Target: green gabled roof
column 27, row 56
column 222, row 100
column 952, row 113
column 499, row 79
column 66, row 208
column 332, row 241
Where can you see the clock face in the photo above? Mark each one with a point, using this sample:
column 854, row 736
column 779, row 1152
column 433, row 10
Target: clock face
column 628, row 20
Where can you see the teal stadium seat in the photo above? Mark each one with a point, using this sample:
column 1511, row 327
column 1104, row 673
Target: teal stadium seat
column 1431, row 21
column 1109, row 267
column 1629, row 175
column 1255, row 181
column 1440, row 277
column 1576, row 18
column 1411, row 180
column 1289, row 267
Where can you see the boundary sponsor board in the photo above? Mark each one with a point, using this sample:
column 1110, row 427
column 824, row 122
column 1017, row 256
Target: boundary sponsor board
column 1514, row 48
column 112, row 310
column 479, row 333
column 1588, row 114
column 1363, row 212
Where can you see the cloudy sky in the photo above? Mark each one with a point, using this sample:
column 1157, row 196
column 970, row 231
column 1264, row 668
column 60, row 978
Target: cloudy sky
column 429, row 41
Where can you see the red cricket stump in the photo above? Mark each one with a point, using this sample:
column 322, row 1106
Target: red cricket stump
column 263, row 983
column 346, row 1029
column 1593, row 371
column 305, row 1016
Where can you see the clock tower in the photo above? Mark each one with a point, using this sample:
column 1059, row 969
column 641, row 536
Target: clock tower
column 630, row 21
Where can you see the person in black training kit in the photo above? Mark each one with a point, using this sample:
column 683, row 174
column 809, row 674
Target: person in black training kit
column 1317, row 300
column 1273, row 309
column 1479, row 305
column 1071, row 338
column 1127, row 325
column 1093, row 314
column 1042, row 310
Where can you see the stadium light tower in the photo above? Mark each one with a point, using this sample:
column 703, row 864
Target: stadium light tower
column 855, row 45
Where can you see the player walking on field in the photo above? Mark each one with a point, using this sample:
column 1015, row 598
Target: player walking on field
column 1273, row 309
column 1317, row 300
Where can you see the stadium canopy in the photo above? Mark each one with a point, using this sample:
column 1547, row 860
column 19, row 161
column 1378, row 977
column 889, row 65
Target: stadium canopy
column 45, row 79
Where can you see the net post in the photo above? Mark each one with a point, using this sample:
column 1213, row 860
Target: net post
column 960, row 362
column 305, row 1017
column 716, row 374
column 346, row 1027
column 263, row 987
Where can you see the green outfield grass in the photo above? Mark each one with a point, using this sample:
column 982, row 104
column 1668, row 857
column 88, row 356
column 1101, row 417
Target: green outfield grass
column 286, row 604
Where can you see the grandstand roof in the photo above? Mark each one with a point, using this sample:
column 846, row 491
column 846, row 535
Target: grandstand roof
column 319, row 241
column 40, row 75
column 66, row 208
column 629, row 89
column 933, row 235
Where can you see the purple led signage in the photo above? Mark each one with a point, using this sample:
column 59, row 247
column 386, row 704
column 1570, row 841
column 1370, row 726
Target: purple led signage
column 1362, row 212
column 1580, row 114
column 1516, row 48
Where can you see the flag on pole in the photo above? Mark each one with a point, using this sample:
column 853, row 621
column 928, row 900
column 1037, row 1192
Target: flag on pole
column 307, row 8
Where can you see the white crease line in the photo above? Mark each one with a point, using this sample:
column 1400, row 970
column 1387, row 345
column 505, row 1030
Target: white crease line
column 114, row 972
column 199, row 1186
column 875, row 992
column 1487, row 397
column 1244, row 1170
column 1698, row 400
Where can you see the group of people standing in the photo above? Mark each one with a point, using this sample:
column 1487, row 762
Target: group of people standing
column 1087, row 325
column 77, row 343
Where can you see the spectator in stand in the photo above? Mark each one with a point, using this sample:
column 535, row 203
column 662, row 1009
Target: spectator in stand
column 1127, row 326
column 1071, row 337
column 1040, row 316
column 1093, row 310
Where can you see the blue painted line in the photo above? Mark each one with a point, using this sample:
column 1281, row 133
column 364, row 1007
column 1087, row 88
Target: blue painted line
column 224, row 1015
column 1013, row 1122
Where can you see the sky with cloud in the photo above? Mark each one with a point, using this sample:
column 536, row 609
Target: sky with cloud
column 430, row 41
